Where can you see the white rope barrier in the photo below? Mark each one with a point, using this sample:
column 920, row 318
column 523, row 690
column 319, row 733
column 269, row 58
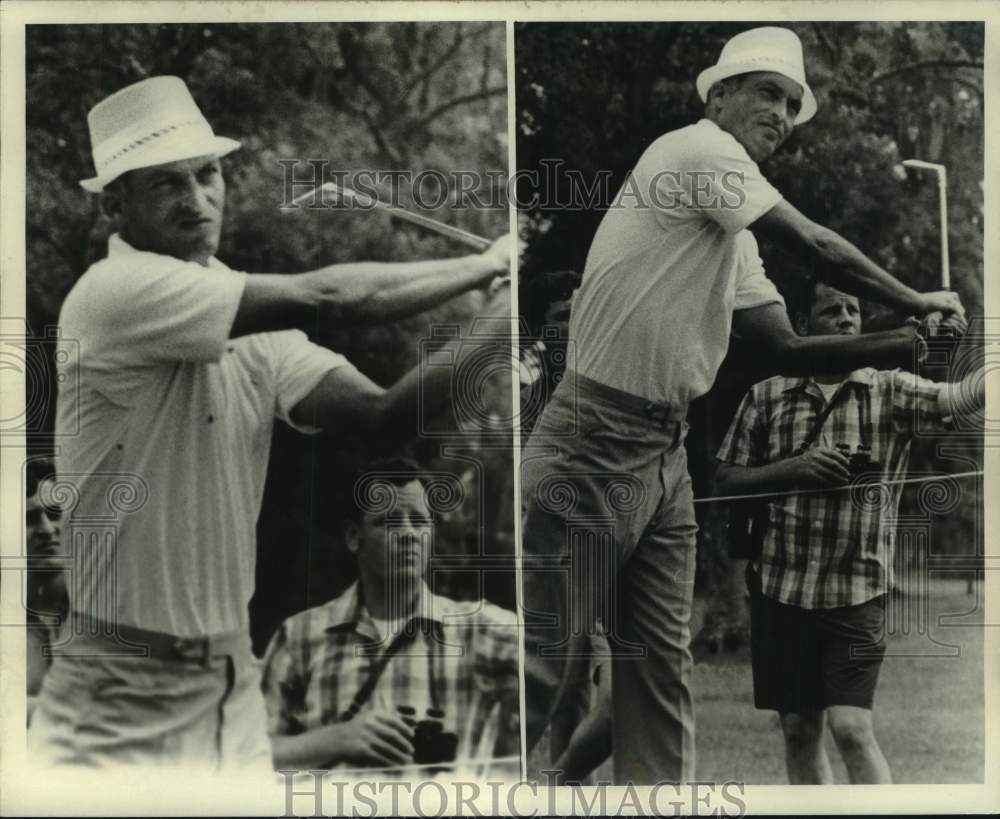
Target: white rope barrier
column 857, row 485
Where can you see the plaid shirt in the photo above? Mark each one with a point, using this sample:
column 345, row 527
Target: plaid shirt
column 320, row 658
column 833, row 548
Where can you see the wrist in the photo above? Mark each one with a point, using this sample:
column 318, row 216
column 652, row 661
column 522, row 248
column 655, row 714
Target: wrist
column 915, row 304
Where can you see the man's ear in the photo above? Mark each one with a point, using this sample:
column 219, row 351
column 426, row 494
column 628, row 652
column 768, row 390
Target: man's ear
column 111, row 206
column 352, row 537
column 801, row 324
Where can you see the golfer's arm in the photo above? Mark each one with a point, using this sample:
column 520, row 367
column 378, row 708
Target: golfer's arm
column 768, row 328
column 732, row 479
column 356, row 293
column 848, row 268
column 345, row 399
column 963, row 397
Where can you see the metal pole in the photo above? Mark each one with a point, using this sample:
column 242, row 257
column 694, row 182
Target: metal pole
column 942, row 179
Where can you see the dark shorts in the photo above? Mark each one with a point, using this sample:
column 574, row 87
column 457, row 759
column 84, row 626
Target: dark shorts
column 809, row 659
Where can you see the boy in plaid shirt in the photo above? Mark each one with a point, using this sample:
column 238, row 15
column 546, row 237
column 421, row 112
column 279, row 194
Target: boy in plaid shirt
column 819, row 584
column 441, row 660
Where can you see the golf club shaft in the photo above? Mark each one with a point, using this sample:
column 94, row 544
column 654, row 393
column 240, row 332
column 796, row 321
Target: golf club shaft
column 471, row 240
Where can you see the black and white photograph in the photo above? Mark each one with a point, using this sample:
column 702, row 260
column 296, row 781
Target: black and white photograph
column 270, row 514
column 501, row 408
column 753, row 384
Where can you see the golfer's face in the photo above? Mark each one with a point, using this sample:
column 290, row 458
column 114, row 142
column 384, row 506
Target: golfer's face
column 761, row 112
column 175, row 209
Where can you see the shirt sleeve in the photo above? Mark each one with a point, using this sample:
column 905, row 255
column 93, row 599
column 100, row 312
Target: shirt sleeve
column 283, row 686
column 753, row 287
column 711, row 172
column 299, row 365
column 159, row 309
column 741, row 445
column 915, row 403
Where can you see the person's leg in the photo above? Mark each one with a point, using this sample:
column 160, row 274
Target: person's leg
column 653, row 706
column 786, row 663
column 568, row 718
column 590, row 744
column 582, row 507
column 854, row 734
column 853, row 648
column 805, row 752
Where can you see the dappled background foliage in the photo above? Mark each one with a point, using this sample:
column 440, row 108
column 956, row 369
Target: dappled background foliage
column 373, row 96
column 592, row 96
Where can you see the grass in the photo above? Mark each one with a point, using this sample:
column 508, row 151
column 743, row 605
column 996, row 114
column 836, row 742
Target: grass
column 928, row 708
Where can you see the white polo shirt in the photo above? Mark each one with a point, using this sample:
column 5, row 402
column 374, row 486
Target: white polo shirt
column 175, row 422
column 669, row 263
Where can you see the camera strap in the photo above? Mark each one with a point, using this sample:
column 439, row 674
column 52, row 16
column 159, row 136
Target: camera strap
column 417, row 625
column 864, row 417
column 821, row 418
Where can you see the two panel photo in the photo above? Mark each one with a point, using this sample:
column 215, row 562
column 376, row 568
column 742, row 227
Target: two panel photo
column 496, row 410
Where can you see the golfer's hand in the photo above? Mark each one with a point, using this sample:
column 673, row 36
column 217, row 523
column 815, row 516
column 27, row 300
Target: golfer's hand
column 497, row 256
column 820, row 467
column 379, row 737
column 942, row 301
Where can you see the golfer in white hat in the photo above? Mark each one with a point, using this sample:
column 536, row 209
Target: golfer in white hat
column 183, row 367
column 673, row 261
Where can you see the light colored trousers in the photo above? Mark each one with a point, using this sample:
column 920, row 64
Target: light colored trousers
column 105, row 711
column 609, row 534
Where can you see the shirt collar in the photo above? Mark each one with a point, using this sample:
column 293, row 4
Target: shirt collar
column 862, row 377
column 118, row 247
column 349, row 611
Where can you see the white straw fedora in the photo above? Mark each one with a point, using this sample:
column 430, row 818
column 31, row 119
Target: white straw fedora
column 762, row 49
column 148, row 123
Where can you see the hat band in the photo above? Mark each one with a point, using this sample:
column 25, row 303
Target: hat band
column 161, row 132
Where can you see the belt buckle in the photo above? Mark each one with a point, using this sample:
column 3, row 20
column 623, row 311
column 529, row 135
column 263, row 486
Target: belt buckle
column 195, row 648
column 657, row 413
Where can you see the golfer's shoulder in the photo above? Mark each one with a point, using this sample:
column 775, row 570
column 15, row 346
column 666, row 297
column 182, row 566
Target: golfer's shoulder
column 701, row 142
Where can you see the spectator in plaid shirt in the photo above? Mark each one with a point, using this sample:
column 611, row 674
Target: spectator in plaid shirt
column 453, row 661
column 819, row 585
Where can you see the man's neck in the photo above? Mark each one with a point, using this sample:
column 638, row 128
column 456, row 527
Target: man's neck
column 830, row 379
column 384, row 604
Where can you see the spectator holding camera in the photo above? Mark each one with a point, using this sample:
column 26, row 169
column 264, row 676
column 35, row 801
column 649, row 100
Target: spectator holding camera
column 819, row 582
column 389, row 674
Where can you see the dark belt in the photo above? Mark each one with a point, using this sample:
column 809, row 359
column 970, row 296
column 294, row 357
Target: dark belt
column 160, row 646
column 661, row 413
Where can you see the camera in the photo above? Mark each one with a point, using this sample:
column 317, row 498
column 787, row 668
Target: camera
column 860, row 464
column 431, row 743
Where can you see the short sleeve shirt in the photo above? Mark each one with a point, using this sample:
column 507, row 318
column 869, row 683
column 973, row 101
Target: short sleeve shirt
column 165, row 428
column 671, row 260
column 319, row 659
column 830, row 549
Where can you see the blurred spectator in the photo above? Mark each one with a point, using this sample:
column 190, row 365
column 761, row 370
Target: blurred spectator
column 46, row 588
